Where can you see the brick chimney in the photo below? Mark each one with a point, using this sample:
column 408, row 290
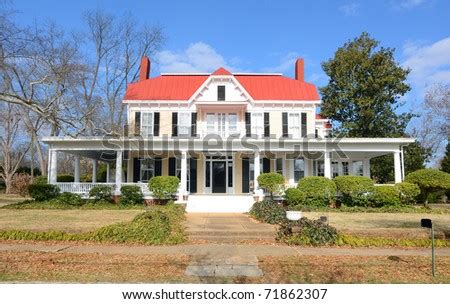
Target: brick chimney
column 300, row 70
column 145, row 68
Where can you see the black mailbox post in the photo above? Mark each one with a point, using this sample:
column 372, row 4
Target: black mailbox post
column 427, row 223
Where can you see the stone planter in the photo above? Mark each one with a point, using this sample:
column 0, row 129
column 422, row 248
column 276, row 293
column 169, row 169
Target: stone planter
column 293, row 215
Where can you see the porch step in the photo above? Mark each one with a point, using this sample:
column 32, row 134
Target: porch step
column 219, row 203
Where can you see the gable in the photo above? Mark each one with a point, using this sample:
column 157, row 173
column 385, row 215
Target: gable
column 234, row 92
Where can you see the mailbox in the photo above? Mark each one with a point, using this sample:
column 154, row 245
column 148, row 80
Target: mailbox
column 426, row 223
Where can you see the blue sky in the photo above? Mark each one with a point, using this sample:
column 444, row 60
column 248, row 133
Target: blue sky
column 265, row 35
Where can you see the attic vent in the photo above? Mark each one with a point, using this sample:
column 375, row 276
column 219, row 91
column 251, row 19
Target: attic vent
column 221, row 93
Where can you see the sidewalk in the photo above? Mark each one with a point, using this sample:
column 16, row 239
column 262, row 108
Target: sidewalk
column 218, row 250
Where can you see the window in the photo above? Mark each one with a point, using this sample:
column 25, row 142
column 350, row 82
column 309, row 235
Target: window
column 147, row 124
column 147, row 169
column 335, row 169
column 358, row 167
column 279, row 166
column 299, row 169
column 221, row 93
column 232, row 124
column 345, row 170
column 222, row 124
column 294, row 125
column 319, row 168
column 184, row 123
column 257, row 122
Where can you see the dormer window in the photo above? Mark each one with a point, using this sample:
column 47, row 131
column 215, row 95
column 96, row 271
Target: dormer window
column 221, row 93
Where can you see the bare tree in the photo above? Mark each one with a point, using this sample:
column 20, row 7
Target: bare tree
column 13, row 149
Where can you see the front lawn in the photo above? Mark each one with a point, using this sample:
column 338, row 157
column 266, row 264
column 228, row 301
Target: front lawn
column 58, row 205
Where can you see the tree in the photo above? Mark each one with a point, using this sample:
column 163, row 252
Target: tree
column 271, row 182
column 429, row 181
column 445, row 163
column 363, row 91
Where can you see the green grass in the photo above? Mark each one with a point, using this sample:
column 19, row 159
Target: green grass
column 157, row 226
column 56, row 205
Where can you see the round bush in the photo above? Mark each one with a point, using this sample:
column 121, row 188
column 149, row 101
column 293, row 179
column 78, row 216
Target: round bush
column 101, row 193
column 69, row 198
column 294, row 197
column 354, row 190
column 65, row 178
column 131, row 195
column 43, row 192
column 318, row 190
column 164, row 187
column 271, row 182
column 385, row 196
column 310, row 232
column 268, row 211
column 429, row 180
column 408, row 192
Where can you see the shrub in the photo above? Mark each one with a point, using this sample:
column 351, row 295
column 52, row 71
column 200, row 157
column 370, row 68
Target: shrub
column 318, row 190
column 310, row 232
column 385, row 196
column 67, row 198
column 40, row 180
column 65, row 178
column 131, row 195
column 101, row 193
column 271, row 182
column 20, row 183
column 294, row 197
column 429, row 180
column 354, row 190
column 164, row 187
column 268, row 211
column 408, row 192
column 43, row 192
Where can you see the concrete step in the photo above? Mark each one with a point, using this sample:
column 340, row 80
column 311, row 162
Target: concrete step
column 215, row 203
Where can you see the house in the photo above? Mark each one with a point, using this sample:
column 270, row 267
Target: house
column 217, row 132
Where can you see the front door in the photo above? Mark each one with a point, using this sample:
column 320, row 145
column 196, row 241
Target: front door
column 219, row 177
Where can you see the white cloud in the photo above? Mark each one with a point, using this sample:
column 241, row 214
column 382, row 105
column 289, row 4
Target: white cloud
column 409, row 3
column 197, row 57
column 428, row 63
column 350, row 9
column 285, row 66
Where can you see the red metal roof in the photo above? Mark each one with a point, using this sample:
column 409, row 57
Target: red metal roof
column 260, row 87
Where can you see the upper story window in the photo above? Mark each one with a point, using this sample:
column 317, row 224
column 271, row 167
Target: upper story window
column 257, row 123
column 221, row 93
column 223, row 124
column 146, row 124
column 184, row 123
column 294, row 124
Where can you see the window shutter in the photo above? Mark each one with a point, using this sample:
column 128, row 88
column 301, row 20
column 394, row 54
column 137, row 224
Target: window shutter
column 156, row 124
column 174, row 124
column 194, row 124
column 266, row 124
column 137, row 123
column 136, row 169
column 266, row 165
column 158, row 167
column 304, row 126
column 248, row 124
column 172, row 166
column 193, row 175
column 245, row 175
column 285, row 124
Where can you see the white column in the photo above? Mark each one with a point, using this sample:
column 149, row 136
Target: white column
column 76, row 175
column 108, row 172
column 397, row 167
column 94, row 170
column 290, row 172
column 183, row 180
column 256, row 170
column 53, row 172
column 118, row 172
column 130, row 169
column 327, row 164
column 366, row 167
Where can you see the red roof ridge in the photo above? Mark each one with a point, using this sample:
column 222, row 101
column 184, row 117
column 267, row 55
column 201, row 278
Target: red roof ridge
column 221, row 71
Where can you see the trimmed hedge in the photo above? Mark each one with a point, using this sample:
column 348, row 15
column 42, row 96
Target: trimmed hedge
column 164, row 187
column 65, row 178
column 101, row 193
column 268, row 211
column 354, row 190
column 43, row 192
column 318, row 190
column 294, row 197
column 385, row 196
column 429, row 180
column 131, row 195
column 408, row 192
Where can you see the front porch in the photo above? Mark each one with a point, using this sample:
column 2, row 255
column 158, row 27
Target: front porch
column 230, row 169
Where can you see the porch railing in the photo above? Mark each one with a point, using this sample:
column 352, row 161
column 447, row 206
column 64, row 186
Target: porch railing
column 84, row 188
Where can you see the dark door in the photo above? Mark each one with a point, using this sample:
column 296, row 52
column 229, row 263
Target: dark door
column 219, row 180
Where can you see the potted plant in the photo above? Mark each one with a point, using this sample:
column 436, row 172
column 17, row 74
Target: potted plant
column 294, row 198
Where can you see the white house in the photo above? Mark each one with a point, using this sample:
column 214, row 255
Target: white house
column 218, row 132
